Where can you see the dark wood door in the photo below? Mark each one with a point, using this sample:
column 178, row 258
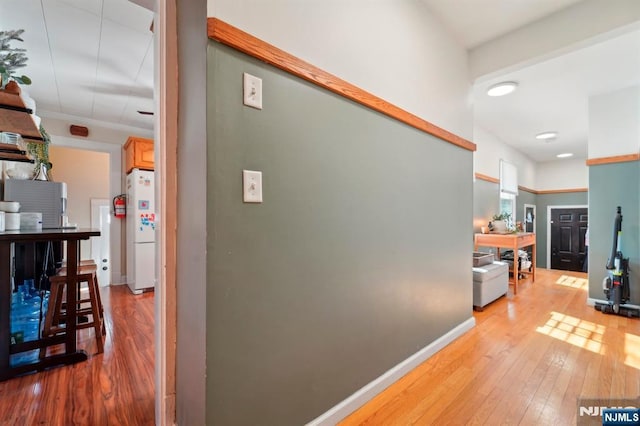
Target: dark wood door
column 568, row 227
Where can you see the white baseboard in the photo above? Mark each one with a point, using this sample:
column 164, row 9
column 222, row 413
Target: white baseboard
column 369, row 391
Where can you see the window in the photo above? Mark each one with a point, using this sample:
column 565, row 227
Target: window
column 508, row 205
column 508, row 178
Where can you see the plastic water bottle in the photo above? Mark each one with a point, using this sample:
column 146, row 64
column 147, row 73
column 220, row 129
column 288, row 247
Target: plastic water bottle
column 25, row 322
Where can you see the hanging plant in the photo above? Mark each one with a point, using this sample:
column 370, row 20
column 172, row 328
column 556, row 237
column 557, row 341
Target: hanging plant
column 40, row 151
column 11, row 59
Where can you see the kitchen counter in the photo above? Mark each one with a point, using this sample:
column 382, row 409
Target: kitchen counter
column 71, row 354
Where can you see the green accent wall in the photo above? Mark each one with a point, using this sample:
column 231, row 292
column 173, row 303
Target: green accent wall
column 543, row 201
column 612, row 185
column 486, row 202
column 524, row 197
column 359, row 256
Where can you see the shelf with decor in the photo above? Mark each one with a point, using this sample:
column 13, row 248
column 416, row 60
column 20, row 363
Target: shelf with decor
column 16, row 118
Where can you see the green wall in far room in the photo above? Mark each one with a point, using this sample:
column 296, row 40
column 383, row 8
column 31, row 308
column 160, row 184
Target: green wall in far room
column 524, row 197
column 613, row 185
column 485, row 202
column 543, row 201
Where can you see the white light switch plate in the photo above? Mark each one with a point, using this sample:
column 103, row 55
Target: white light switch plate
column 252, row 186
column 252, row 91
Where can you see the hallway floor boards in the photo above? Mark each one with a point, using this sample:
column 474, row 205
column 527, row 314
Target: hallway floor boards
column 527, row 361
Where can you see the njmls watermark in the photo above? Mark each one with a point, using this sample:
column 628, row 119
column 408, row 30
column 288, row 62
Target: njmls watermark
column 608, row 411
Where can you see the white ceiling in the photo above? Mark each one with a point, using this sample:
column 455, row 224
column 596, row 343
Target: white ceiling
column 473, row 22
column 553, row 94
column 93, row 59
column 87, row 58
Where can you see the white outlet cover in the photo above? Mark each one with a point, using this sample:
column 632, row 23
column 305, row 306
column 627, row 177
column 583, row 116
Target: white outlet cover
column 251, row 186
column 252, row 91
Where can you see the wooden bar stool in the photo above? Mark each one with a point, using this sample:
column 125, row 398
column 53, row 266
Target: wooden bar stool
column 89, row 267
column 56, row 313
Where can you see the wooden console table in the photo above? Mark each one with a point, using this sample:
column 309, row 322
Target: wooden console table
column 71, row 354
column 513, row 242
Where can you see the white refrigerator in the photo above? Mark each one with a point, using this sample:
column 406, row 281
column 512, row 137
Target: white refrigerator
column 141, row 226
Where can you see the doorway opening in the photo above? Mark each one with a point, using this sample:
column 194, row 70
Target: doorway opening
column 100, row 246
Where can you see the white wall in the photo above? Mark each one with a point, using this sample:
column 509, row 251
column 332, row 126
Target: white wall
column 582, row 24
column 491, row 150
column 394, row 49
column 562, row 174
column 614, row 124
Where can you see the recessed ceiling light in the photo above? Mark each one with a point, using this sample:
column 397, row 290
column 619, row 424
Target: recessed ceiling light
column 503, row 88
column 547, row 135
column 565, row 155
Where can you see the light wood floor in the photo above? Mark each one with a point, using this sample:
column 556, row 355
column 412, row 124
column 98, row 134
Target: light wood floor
column 113, row 388
column 526, row 362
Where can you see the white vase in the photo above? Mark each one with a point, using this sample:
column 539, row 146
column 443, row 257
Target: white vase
column 499, row 226
column 41, row 172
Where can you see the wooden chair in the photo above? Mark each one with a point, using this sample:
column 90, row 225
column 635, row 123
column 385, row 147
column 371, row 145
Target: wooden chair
column 56, row 313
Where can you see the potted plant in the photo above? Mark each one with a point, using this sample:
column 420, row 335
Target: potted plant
column 499, row 222
column 10, row 60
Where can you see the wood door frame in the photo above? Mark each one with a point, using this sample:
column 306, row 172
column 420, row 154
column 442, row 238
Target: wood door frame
column 535, row 213
column 166, row 139
column 96, row 203
column 549, row 208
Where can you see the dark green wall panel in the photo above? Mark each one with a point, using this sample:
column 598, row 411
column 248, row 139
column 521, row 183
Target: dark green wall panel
column 486, row 202
column 359, row 256
column 612, row 185
column 543, row 201
column 524, row 197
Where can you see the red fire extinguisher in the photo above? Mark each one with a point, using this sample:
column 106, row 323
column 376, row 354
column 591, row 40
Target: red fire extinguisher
column 120, row 206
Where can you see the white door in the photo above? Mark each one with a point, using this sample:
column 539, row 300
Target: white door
column 100, row 246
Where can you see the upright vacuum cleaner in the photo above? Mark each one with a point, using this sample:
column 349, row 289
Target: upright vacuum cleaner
column 616, row 284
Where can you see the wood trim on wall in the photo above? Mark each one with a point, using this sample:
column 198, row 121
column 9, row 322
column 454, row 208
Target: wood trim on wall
column 166, row 136
column 533, row 191
column 562, row 191
column 524, row 188
column 614, row 159
column 487, row 178
column 233, row 37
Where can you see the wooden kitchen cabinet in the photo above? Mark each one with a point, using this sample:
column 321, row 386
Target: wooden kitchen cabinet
column 138, row 154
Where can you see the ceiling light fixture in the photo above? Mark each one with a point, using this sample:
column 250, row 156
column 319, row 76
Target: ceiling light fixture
column 502, row 88
column 565, row 155
column 547, row 135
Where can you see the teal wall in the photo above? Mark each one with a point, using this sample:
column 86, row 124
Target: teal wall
column 485, row 202
column 543, row 201
column 350, row 264
column 524, row 197
column 612, row 185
